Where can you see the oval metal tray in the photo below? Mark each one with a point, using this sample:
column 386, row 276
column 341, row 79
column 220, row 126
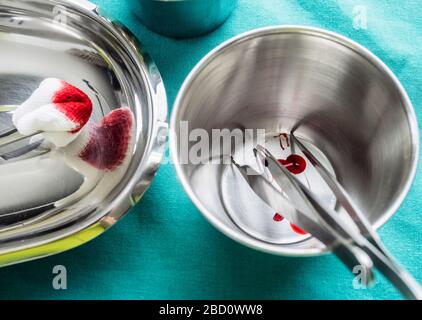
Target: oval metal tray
column 71, row 40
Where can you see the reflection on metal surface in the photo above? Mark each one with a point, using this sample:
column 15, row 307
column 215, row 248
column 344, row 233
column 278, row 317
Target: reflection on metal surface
column 102, row 59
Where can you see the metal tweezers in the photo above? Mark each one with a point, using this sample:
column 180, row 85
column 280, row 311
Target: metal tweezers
column 349, row 236
column 10, row 136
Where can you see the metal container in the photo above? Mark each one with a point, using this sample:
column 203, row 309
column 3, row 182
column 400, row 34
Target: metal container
column 183, row 18
column 70, row 40
column 347, row 103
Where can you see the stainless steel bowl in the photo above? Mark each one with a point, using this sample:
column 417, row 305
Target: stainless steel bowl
column 71, row 40
column 347, row 103
column 183, row 18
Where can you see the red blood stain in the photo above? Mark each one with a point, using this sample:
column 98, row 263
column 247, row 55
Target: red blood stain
column 278, row 217
column 298, row 230
column 286, row 137
column 74, row 104
column 109, row 140
column 294, row 163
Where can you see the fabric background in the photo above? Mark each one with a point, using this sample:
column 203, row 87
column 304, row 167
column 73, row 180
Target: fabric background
column 164, row 248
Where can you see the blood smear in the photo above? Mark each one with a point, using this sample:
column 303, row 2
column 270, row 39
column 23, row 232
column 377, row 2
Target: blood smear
column 109, row 141
column 294, row 163
column 74, row 104
column 278, row 217
column 298, row 230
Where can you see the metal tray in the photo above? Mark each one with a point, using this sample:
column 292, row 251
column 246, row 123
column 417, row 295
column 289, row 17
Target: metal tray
column 71, row 40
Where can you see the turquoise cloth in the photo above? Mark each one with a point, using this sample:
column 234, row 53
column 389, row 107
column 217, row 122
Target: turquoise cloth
column 164, row 248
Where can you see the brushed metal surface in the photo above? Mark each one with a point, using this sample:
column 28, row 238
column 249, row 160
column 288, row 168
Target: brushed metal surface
column 342, row 99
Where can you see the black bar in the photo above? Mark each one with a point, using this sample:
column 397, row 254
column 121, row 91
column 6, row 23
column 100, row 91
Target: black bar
column 223, row 309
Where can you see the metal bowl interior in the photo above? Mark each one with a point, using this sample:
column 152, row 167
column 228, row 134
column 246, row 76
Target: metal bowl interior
column 70, row 40
column 343, row 99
